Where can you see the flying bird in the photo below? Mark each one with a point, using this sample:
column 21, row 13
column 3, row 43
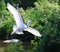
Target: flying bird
column 20, row 25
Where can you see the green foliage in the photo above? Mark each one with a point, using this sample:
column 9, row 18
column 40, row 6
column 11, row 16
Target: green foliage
column 45, row 17
column 15, row 47
column 5, row 21
column 50, row 15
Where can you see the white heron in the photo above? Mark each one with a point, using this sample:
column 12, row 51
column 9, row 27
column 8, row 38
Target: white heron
column 20, row 25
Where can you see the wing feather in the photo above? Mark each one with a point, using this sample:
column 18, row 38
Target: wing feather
column 33, row 31
column 16, row 14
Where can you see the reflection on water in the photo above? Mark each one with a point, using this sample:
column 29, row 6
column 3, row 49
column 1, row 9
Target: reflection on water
column 3, row 46
column 25, row 46
column 1, row 49
column 13, row 47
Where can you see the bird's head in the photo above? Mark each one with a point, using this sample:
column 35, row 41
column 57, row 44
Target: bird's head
column 29, row 22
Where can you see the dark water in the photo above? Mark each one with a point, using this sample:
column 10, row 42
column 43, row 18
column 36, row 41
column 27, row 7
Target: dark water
column 26, row 46
column 3, row 46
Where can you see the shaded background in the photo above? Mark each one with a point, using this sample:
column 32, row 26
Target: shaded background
column 45, row 15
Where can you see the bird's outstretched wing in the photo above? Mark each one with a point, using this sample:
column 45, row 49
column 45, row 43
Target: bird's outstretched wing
column 33, row 31
column 16, row 14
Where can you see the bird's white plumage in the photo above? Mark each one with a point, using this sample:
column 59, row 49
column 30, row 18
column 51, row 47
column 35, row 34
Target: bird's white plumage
column 11, row 41
column 16, row 14
column 20, row 26
column 33, row 31
column 7, row 41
